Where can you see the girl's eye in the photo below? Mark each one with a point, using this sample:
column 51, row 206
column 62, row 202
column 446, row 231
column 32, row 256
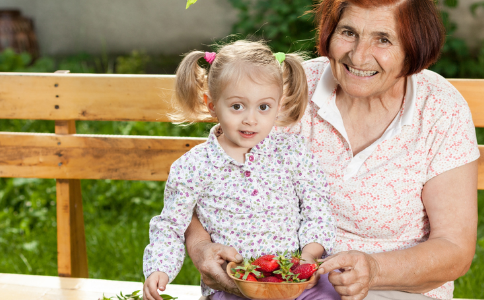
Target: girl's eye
column 237, row 107
column 264, row 107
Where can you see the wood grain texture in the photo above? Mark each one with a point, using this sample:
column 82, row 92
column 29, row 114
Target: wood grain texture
column 473, row 91
column 71, row 238
column 20, row 287
column 90, row 156
column 44, row 96
column 107, row 97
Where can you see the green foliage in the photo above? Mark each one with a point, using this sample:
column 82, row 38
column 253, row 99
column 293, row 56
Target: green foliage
column 284, row 23
column 13, row 62
column 133, row 64
column 456, row 60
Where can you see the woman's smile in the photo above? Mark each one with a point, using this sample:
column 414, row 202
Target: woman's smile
column 360, row 73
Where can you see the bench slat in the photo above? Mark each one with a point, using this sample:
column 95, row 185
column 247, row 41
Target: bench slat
column 45, row 96
column 101, row 157
column 90, row 156
column 473, row 91
column 107, row 97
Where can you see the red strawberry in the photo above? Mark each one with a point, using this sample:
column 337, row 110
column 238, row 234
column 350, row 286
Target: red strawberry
column 251, row 277
column 266, row 263
column 270, row 279
column 246, row 271
column 295, row 260
column 267, row 274
column 305, row 271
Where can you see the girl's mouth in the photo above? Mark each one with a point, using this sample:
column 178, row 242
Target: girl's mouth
column 247, row 134
column 360, row 73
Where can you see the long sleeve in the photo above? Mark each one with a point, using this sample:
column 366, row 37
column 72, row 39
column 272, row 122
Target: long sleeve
column 166, row 250
column 318, row 224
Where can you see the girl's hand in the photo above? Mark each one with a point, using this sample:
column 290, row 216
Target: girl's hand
column 351, row 273
column 156, row 281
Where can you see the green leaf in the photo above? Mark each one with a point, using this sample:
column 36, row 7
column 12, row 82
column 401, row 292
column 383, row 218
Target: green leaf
column 451, row 3
column 190, row 2
column 475, row 6
column 167, row 297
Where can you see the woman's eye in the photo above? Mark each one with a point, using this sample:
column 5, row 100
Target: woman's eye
column 348, row 33
column 384, row 41
column 264, row 107
column 237, row 107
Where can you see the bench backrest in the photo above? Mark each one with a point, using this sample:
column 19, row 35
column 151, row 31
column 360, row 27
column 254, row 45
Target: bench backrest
column 68, row 157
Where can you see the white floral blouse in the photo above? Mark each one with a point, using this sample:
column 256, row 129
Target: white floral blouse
column 277, row 200
column 376, row 195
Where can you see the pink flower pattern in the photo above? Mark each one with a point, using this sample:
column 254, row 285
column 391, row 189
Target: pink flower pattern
column 380, row 208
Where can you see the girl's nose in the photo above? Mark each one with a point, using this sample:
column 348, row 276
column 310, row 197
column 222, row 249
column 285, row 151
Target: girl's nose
column 250, row 120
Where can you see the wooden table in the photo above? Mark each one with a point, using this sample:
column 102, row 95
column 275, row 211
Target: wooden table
column 34, row 287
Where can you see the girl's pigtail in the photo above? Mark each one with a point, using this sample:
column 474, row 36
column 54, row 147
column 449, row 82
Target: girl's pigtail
column 295, row 95
column 190, row 85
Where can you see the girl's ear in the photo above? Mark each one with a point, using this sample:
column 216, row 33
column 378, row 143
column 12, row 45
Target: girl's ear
column 210, row 106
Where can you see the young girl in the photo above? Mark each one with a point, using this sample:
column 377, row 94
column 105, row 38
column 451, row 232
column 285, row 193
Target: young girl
column 256, row 191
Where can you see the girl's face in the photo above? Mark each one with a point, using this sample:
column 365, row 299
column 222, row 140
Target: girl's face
column 247, row 112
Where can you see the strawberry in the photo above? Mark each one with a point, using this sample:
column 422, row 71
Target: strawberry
column 284, row 273
column 270, row 279
column 295, row 260
column 305, row 271
column 251, row 277
column 266, row 263
column 246, row 271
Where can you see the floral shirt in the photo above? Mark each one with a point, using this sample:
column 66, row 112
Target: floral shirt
column 376, row 195
column 277, row 200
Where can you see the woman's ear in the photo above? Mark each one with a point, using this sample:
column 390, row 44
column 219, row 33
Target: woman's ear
column 210, row 106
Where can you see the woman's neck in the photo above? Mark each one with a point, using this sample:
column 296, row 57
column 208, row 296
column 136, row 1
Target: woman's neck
column 366, row 119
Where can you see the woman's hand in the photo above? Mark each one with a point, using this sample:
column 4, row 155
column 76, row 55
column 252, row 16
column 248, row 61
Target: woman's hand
column 351, row 273
column 156, row 281
column 210, row 259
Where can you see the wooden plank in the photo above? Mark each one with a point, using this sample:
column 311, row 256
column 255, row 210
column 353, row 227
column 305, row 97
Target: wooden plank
column 101, row 97
column 480, row 169
column 90, row 156
column 71, row 239
column 473, row 92
column 19, row 286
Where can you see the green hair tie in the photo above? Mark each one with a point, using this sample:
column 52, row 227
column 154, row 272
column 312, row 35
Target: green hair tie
column 281, row 57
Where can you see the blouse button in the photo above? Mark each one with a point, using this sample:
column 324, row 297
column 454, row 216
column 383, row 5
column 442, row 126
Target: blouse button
column 247, row 173
column 251, row 158
column 255, row 193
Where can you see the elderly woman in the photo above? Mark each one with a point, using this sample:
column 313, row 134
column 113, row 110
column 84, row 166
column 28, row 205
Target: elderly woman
column 399, row 148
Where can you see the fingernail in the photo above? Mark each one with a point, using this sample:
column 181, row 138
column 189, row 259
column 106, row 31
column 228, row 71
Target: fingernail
column 238, row 257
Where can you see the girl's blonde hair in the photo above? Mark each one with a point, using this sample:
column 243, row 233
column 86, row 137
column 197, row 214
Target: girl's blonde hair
column 233, row 61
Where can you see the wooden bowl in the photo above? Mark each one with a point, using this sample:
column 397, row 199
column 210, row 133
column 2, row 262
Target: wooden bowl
column 268, row 290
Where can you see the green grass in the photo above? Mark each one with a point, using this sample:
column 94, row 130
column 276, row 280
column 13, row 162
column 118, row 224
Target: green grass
column 117, row 215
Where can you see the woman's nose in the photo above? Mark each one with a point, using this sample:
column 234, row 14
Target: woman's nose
column 361, row 52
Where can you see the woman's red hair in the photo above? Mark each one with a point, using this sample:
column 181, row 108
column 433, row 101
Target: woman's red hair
column 419, row 25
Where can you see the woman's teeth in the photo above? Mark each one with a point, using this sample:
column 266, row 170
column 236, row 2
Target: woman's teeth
column 247, row 132
column 361, row 73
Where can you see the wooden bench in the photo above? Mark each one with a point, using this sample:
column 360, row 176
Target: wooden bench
column 69, row 157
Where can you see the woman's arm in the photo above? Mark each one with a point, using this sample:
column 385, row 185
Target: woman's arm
column 450, row 200
column 210, row 258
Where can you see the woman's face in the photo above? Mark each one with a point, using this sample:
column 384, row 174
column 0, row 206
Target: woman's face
column 365, row 51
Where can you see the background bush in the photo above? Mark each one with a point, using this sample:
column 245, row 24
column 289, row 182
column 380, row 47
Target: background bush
column 117, row 213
